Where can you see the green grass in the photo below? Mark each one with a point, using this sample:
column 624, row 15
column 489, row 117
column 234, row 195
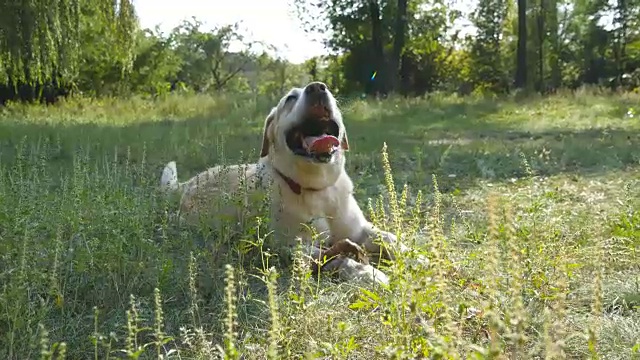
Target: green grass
column 532, row 227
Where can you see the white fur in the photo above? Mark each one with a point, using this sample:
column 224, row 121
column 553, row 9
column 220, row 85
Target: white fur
column 169, row 179
column 331, row 208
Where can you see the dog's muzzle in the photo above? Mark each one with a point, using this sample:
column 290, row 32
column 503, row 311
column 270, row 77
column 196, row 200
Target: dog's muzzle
column 316, row 137
column 316, row 101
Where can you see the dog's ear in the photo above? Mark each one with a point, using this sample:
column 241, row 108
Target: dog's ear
column 344, row 144
column 265, row 138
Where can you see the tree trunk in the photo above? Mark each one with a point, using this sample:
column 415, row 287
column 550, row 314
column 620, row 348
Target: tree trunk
column 521, row 66
column 541, row 37
column 624, row 23
column 554, row 56
column 377, row 83
column 398, row 44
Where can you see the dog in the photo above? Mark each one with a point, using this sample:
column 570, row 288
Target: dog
column 302, row 168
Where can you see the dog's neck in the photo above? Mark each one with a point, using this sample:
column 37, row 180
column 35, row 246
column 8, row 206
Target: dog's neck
column 301, row 175
column 293, row 185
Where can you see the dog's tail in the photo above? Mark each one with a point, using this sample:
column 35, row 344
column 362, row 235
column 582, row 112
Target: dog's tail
column 169, row 179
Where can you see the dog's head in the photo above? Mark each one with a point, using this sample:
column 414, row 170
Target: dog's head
column 305, row 137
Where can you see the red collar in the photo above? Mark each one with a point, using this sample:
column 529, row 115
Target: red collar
column 294, row 186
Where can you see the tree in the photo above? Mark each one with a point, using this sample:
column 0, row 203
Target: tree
column 104, row 25
column 156, row 65
column 486, row 51
column 541, row 38
column 554, row 43
column 394, row 39
column 377, row 86
column 41, row 42
column 521, row 66
column 206, row 61
column 626, row 14
column 359, row 30
column 398, row 45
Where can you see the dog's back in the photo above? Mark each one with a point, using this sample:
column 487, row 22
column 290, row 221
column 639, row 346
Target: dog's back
column 225, row 190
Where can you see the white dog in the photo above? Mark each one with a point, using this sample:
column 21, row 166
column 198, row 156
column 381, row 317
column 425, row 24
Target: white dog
column 302, row 167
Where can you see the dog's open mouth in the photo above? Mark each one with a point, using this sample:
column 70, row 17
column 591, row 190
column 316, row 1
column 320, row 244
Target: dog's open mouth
column 315, row 138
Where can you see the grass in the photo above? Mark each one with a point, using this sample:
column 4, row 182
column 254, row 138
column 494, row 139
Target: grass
column 528, row 208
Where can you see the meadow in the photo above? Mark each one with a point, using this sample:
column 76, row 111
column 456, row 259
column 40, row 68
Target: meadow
column 528, row 208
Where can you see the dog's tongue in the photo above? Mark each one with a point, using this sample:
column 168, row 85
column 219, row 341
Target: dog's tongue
column 320, row 144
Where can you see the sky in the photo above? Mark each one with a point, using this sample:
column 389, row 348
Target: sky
column 270, row 21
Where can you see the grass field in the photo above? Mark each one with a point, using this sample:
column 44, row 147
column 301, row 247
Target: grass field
column 532, row 227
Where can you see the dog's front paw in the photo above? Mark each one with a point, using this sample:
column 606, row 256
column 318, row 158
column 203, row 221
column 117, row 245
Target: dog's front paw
column 394, row 248
column 351, row 270
column 387, row 237
column 348, row 247
column 371, row 275
column 390, row 247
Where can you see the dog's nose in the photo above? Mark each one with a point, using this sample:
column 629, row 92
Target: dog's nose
column 316, row 88
column 317, row 100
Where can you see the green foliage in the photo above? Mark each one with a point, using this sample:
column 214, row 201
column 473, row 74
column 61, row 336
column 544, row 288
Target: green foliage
column 156, row 64
column 205, row 63
column 43, row 41
column 58, row 48
column 102, row 72
column 569, row 42
column 487, row 46
column 139, row 61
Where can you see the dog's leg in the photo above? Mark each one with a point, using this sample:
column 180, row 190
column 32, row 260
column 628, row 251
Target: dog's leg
column 328, row 260
column 349, row 222
column 335, row 259
column 344, row 247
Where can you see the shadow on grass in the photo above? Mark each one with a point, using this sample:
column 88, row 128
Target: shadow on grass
column 460, row 142
column 467, row 142
column 460, row 162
